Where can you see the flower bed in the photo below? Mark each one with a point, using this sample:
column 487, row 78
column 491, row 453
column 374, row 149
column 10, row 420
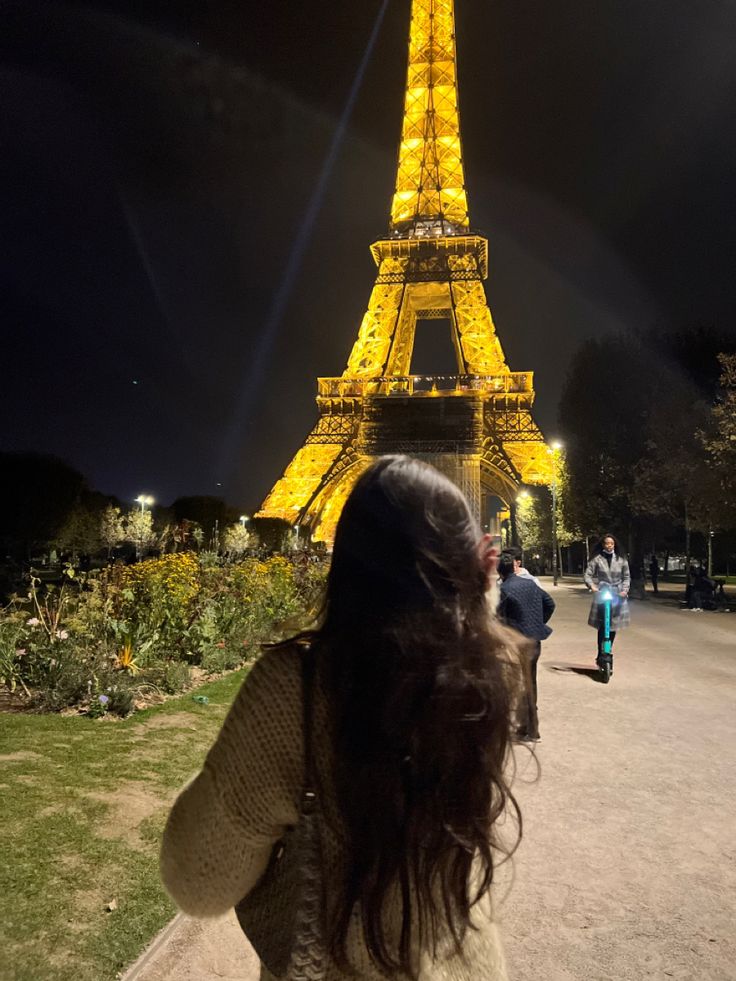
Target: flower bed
column 102, row 641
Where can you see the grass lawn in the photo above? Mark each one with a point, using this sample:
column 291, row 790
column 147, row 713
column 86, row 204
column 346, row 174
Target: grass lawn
column 83, row 807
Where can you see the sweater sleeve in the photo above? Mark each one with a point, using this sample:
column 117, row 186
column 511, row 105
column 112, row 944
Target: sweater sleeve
column 224, row 824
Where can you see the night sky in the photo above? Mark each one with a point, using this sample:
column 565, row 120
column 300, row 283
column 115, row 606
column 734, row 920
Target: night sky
column 158, row 159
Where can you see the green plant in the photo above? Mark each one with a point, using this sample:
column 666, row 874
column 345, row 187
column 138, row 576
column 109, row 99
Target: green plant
column 126, row 659
column 172, row 677
column 121, row 700
column 123, row 628
column 12, row 651
column 222, row 657
column 51, row 603
column 98, row 706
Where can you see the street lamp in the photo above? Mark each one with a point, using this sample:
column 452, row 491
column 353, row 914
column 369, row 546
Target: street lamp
column 244, row 519
column 143, row 500
column 554, row 449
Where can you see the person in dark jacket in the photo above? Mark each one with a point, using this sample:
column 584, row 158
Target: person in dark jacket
column 526, row 607
column 654, row 571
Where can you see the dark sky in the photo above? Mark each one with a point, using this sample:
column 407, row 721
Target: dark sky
column 157, row 160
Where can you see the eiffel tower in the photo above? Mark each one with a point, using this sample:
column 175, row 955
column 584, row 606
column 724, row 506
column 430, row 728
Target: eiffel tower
column 476, row 426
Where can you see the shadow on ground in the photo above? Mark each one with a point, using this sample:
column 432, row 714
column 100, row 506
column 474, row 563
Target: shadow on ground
column 593, row 673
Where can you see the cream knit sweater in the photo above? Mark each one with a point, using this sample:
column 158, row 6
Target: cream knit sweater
column 223, row 826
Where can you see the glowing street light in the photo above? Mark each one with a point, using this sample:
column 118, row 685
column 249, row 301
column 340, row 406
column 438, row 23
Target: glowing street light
column 554, row 449
column 244, row 519
column 143, row 500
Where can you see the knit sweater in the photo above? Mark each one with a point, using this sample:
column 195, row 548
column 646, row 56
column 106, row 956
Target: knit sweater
column 223, row 826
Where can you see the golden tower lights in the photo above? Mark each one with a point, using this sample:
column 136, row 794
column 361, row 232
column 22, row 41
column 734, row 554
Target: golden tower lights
column 431, row 265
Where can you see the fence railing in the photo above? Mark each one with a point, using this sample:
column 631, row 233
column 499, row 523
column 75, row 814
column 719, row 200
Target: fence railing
column 513, row 382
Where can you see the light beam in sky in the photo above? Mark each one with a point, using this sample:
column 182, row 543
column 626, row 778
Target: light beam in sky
column 255, row 374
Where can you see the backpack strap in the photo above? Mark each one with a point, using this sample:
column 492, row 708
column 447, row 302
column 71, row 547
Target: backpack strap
column 309, row 791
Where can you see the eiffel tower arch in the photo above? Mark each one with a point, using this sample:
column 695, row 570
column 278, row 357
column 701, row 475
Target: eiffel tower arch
column 476, row 425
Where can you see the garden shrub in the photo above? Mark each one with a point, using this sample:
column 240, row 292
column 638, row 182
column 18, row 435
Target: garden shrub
column 122, row 698
column 223, row 657
column 171, row 677
column 157, row 599
column 97, row 639
column 12, row 634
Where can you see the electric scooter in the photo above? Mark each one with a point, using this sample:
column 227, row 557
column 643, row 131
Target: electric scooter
column 605, row 656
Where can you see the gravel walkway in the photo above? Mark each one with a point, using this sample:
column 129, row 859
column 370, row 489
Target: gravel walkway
column 627, row 868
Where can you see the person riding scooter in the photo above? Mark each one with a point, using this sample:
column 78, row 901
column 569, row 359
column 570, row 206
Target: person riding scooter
column 608, row 567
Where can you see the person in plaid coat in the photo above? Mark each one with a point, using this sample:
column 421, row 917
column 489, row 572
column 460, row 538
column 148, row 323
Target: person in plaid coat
column 608, row 567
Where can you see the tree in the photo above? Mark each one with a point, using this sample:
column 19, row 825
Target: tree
column 273, row 533
column 534, row 522
column 606, row 401
column 567, row 532
column 237, row 540
column 112, row 528
column 673, row 477
column 209, row 513
column 138, row 530
column 80, row 532
column 37, row 495
column 629, row 414
column 718, row 438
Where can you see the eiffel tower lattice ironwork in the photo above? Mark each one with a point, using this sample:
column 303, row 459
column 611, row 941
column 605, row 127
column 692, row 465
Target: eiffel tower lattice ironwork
column 476, row 425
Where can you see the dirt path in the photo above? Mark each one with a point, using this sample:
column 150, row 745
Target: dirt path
column 627, row 869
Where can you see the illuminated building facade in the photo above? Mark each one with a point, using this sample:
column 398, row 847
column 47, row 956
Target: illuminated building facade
column 475, row 425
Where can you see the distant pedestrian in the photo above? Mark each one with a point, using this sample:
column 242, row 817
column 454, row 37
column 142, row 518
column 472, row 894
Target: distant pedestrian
column 701, row 592
column 526, row 607
column 654, row 571
column 515, row 552
column 608, row 567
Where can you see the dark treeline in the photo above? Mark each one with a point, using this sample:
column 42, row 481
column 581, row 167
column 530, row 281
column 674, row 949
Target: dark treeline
column 45, row 503
column 649, row 425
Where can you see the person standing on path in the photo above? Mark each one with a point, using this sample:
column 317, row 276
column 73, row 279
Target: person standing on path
column 654, row 572
column 412, row 698
column 608, row 567
column 515, row 552
column 526, row 607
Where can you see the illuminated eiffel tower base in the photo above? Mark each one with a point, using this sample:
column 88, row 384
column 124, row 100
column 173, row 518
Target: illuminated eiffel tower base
column 475, row 426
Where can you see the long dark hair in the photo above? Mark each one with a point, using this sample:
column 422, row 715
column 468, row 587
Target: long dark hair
column 421, row 694
column 617, row 550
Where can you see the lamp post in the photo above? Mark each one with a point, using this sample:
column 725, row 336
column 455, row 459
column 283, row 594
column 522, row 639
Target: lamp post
column 555, row 451
column 244, row 519
column 521, row 499
column 143, row 500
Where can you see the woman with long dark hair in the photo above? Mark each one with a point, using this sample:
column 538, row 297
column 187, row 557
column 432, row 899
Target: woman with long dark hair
column 413, row 695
